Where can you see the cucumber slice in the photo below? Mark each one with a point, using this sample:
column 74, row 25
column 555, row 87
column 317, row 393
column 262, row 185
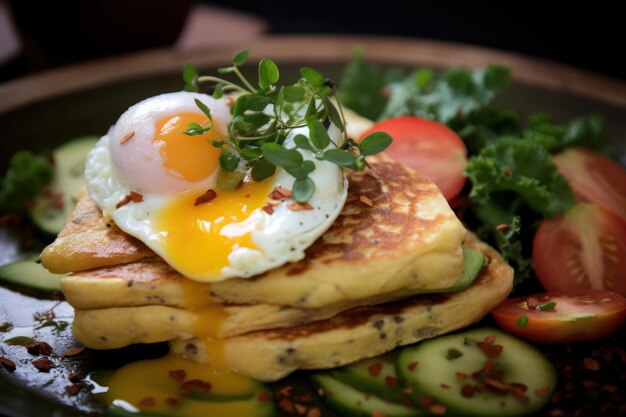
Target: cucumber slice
column 441, row 367
column 373, row 376
column 28, row 272
column 474, row 260
column 348, row 401
column 69, row 167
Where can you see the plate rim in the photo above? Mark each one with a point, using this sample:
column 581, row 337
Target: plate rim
column 526, row 70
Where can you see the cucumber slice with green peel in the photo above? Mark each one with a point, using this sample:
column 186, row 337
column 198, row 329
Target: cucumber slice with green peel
column 28, row 272
column 348, row 401
column 373, row 376
column 56, row 202
column 515, row 381
column 474, row 261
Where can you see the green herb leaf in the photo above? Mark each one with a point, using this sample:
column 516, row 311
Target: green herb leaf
column 319, row 135
column 312, row 76
column 547, row 306
column 302, row 171
column 240, row 57
column 262, row 169
column 339, row 157
column 268, row 73
column 279, row 156
column 302, row 142
column 293, row 93
column 27, row 175
column 303, row 189
column 374, row 143
column 189, row 73
column 219, row 91
column 203, row 107
column 257, row 102
column 333, row 114
column 229, row 161
column 522, row 321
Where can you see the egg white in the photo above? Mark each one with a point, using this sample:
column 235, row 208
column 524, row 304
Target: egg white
column 280, row 237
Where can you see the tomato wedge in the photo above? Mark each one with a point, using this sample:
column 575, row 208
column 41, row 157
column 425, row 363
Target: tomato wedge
column 594, row 178
column 586, row 248
column 562, row 317
column 429, row 147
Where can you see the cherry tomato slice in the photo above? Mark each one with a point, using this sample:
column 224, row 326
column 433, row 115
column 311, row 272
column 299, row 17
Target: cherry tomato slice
column 428, row 147
column 586, row 248
column 562, row 317
column 594, row 178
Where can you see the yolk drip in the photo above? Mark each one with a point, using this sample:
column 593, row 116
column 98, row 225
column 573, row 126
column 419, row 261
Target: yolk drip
column 192, row 158
column 152, row 387
column 198, row 239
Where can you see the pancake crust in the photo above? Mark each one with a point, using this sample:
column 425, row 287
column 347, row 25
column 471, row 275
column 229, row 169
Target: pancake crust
column 362, row 332
column 407, row 240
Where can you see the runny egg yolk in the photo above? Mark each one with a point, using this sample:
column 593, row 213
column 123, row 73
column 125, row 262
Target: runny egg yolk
column 198, row 238
column 192, row 158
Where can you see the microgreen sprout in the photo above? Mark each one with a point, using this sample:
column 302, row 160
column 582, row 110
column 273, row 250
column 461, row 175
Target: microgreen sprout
column 264, row 115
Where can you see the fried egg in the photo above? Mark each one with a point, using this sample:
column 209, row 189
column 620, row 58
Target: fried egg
column 157, row 184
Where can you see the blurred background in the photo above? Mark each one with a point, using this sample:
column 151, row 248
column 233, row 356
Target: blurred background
column 35, row 36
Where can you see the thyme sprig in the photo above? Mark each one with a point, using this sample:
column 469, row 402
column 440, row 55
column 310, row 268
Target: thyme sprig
column 263, row 117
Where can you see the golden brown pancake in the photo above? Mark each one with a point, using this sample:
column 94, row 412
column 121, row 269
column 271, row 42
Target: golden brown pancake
column 395, row 235
column 359, row 333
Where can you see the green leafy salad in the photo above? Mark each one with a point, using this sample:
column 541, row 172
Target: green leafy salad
column 513, row 182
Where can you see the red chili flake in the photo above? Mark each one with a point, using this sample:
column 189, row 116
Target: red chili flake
column 438, row 409
column 426, row 401
column 8, row 364
column 75, row 388
column 445, row 386
column 314, row 412
column 284, row 392
column 132, row 196
column 269, row 208
column 172, row 401
column 391, row 381
column 300, row 409
column 519, row 396
column 43, row 364
column 74, row 377
column 286, row 405
column 408, row 390
column 375, row 369
column 542, row 392
column 516, row 386
column 490, row 350
column 508, row 172
column 73, row 351
column 412, row 366
column 497, row 385
column 378, row 414
column 205, row 198
column 127, row 137
column 468, row 390
column 532, row 303
column 366, row 200
column 54, row 197
column 591, row 364
column 39, row 348
column 280, row 194
column 503, row 227
column 306, row 398
column 300, row 206
column 263, row 396
column 195, row 385
column 177, row 375
column 490, row 339
column 555, row 412
column 147, row 402
column 462, row 375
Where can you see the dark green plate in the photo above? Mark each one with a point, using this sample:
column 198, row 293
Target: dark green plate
column 40, row 112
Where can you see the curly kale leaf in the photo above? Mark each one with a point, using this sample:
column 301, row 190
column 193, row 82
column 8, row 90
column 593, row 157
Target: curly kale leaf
column 27, row 175
column 522, row 167
column 456, row 94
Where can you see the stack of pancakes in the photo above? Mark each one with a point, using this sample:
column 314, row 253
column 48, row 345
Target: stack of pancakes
column 365, row 286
